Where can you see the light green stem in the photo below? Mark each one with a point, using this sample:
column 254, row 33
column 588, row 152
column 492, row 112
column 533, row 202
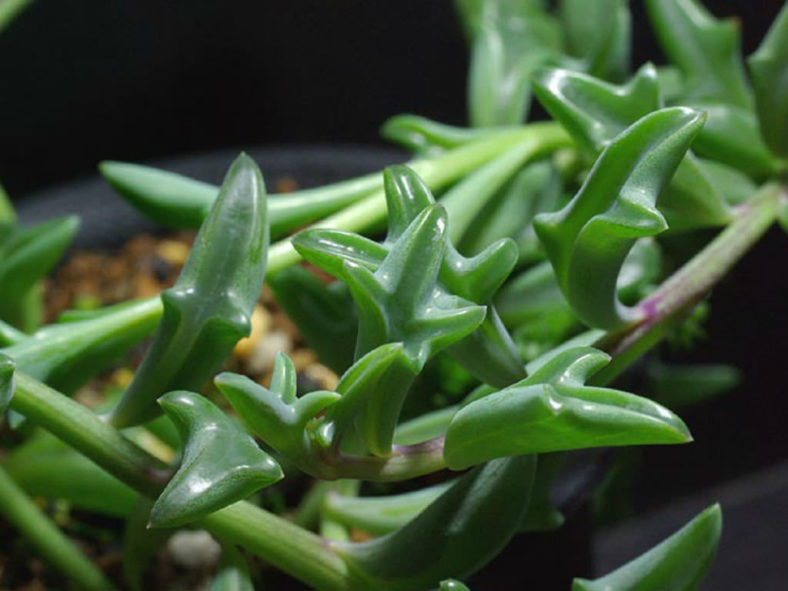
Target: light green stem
column 290, row 548
column 437, row 173
column 51, row 543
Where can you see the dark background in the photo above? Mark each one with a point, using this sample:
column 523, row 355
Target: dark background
column 138, row 80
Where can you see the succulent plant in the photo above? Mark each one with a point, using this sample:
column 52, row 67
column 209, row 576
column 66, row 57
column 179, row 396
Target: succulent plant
column 524, row 256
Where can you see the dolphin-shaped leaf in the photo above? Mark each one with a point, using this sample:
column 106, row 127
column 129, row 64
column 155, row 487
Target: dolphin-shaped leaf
column 208, row 309
column 423, row 136
column 275, row 414
column 221, row 463
column 552, row 410
column 588, row 240
column 706, row 50
column 677, row 564
column 455, row 535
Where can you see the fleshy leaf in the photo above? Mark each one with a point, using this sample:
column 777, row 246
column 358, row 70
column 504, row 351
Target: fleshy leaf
column 176, row 201
column 381, row 515
column 680, row 385
column 589, row 239
column 453, row 585
column 324, row 314
column 677, row 564
column 455, row 535
column 599, row 33
column 26, row 256
column 552, row 410
column 595, row 112
column 769, row 72
column 6, row 383
column 705, row 49
column 425, row 137
column 221, row 463
column 275, row 414
column 542, row 514
column 209, row 308
column 233, row 572
column 508, row 40
column 67, row 355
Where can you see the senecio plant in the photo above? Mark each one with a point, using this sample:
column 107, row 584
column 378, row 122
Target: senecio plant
column 523, row 267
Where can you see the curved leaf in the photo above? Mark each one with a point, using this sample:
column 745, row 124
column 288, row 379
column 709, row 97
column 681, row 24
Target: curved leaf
column 589, row 239
column 426, row 137
column 705, row 49
column 66, row 356
column 769, row 72
column 454, row 536
column 552, row 410
column 275, row 414
column 177, row 201
column 221, row 463
column 677, row 564
column 6, row 382
column 209, row 308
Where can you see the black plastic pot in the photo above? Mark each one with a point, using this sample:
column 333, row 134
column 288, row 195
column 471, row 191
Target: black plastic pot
column 553, row 558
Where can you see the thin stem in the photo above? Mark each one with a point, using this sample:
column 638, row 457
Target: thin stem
column 283, row 544
column 437, row 172
column 54, row 546
column 672, row 300
column 404, row 463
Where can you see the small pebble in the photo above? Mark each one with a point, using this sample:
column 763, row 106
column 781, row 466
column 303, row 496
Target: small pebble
column 322, row 376
column 193, row 549
column 174, row 252
column 261, row 324
column 262, row 357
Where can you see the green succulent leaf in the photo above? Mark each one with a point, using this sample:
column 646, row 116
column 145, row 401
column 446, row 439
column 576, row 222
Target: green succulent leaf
column 589, row 239
column 46, row 467
column 426, row 137
column 275, row 414
column 177, row 201
column 10, row 335
column 599, row 32
column 595, row 112
column 208, row 309
column 681, row 385
column 677, row 564
column 769, row 72
column 373, row 391
column 323, row 313
column 140, row 544
column 233, row 572
column 731, row 136
column 6, row 382
column 454, row 536
column 542, row 514
column 453, row 585
column 7, row 212
column 552, row 410
column 705, row 49
column 381, row 515
column 221, row 463
column 9, row 10
column 508, row 40
column 67, row 355
column 26, row 256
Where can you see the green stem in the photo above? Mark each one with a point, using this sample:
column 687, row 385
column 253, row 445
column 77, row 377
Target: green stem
column 405, row 462
column 666, row 306
column 51, row 543
column 285, row 545
column 437, row 173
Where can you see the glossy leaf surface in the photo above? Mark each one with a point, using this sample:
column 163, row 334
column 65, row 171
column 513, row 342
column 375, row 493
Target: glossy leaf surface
column 677, row 564
column 26, row 256
column 426, row 137
column 209, row 308
column 769, row 72
column 454, row 536
column 589, row 239
column 552, row 410
column 221, row 463
column 274, row 413
column 324, row 314
column 177, row 201
column 706, row 50
column 67, row 355
column 6, row 382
